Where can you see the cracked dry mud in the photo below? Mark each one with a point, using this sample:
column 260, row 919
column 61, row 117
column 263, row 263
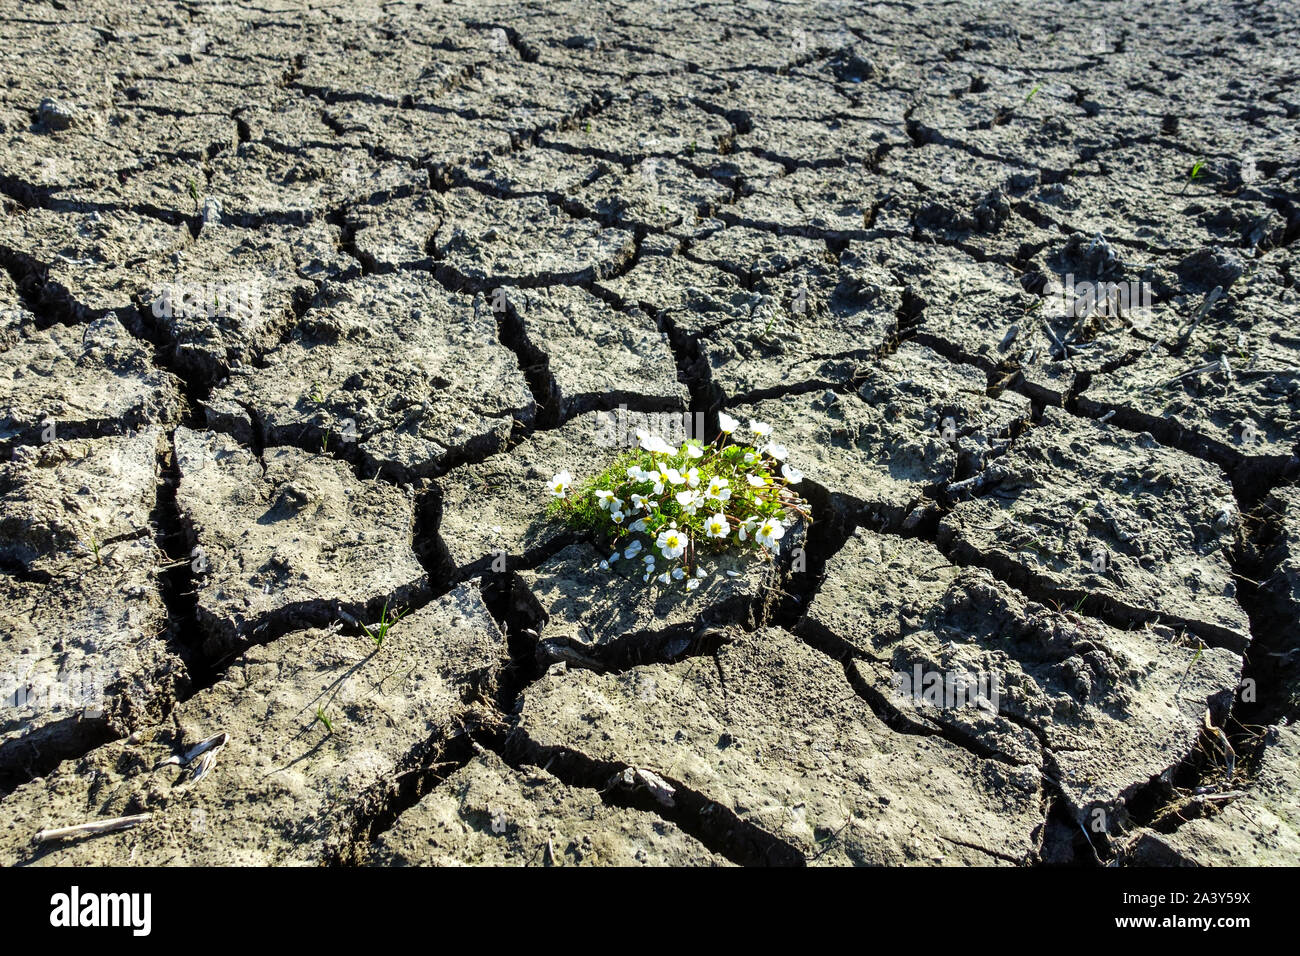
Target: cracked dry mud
column 300, row 308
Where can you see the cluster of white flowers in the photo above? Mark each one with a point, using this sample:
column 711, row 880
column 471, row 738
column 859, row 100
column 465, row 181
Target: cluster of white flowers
column 667, row 503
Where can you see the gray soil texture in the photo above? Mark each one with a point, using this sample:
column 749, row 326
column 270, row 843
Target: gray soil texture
column 303, row 305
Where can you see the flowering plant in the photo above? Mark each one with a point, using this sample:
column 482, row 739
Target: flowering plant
column 667, row 507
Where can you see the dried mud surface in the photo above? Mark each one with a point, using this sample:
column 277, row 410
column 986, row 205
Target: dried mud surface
column 301, row 305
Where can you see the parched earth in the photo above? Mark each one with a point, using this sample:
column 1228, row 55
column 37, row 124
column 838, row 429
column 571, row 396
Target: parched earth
column 302, row 304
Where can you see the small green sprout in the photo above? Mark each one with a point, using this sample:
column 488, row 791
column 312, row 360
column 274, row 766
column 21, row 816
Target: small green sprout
column 194, row 190
column 1033, row 92
column 1200, row 649
column 324, row 718
column 1198, row 170
column 381, row 629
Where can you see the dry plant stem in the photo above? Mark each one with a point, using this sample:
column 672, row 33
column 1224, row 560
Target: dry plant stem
column 94, row 828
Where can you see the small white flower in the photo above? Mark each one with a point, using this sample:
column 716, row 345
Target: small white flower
column 560, row 484
column 663, row 578
column 716, row 526
column 669, row 475
column 699, row 572
column 755, row 481
column 678, row 574
column 692, row 584
column 727, row 424
column 650, row 560
column 654, row 444
column 776, row 451
column 718, row 489
column 769, row 533
column 733, row 574
column 761, row 429
column 695, row 451
column 616, row 517
column 604, row 565
column 693, row 477
column 747, row 527
column 637, row 525
column 640, row 503
column 792, row 474
column 646, row 577
column 750, row 458
column 671, row 543
column 605, row 499
column 690, row 501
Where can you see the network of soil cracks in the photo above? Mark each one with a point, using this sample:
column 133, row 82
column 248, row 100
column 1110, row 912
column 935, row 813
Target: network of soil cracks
column 301, row 306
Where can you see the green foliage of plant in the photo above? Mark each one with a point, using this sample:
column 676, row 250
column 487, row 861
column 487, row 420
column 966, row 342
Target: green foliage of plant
column 667, row 508
column 324, row 718
column 386, row 622
column 94, row 540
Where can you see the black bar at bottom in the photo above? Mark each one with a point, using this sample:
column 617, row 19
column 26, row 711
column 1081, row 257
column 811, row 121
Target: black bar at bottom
column 319, row 906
